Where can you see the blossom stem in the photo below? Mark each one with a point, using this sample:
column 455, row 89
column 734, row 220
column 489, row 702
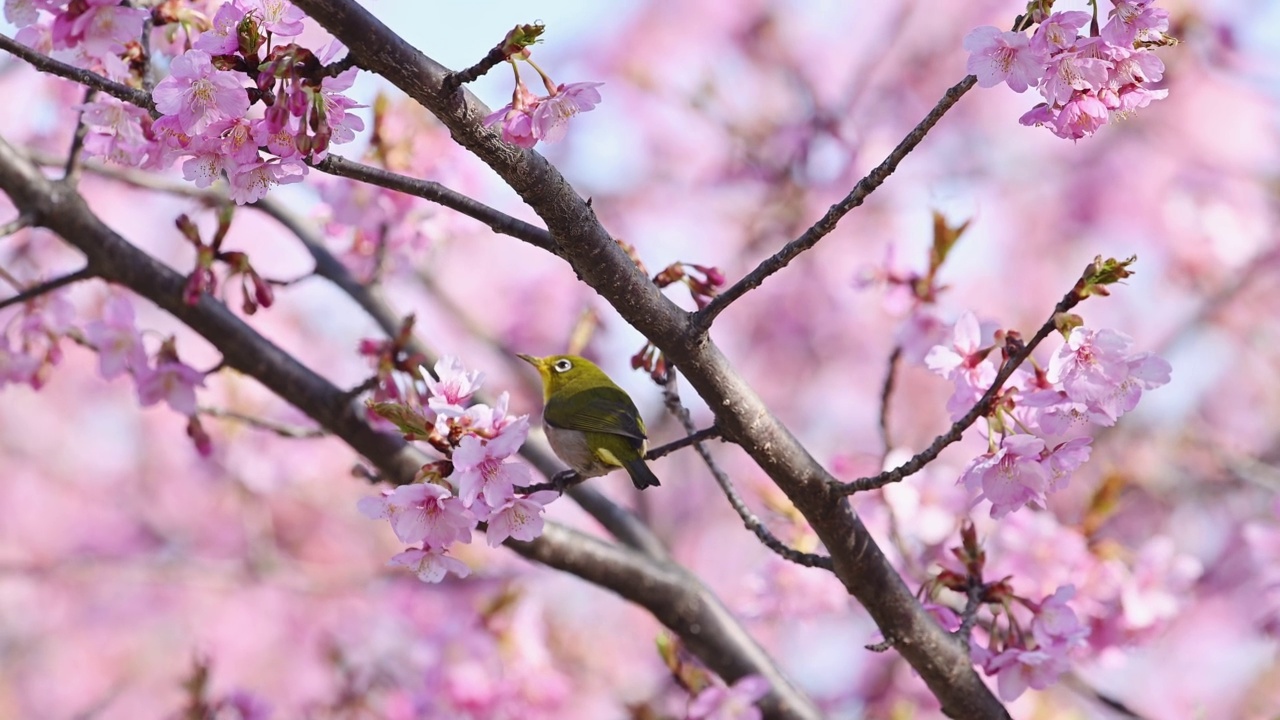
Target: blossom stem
column 547, row 82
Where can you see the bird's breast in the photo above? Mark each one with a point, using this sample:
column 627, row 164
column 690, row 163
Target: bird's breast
column 571, row 447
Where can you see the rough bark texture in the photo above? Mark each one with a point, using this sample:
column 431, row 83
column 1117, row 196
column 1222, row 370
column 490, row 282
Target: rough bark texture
column 599, row 262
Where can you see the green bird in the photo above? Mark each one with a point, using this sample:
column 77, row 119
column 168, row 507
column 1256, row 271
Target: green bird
column 591, row 423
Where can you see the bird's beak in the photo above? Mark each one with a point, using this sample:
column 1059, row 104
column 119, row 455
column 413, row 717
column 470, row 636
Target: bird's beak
column 536, row 362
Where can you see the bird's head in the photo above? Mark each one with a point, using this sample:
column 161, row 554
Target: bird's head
column 560, row 372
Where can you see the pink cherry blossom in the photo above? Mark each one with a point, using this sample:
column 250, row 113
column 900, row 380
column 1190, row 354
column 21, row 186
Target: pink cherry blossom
column 1055, row 624
column 105, row 27
column 117, row 339
column 516, row 118
column 736, row 702
column 1091, row 364
column 964, row 355
column 1059, row 31
column 251, row 182
column 1080, row 117
column 997, row 56
column 430, row 565
column 1133, row 20
column 278, row 16
column 171, row 381
column 223, row 38
column 16, row 366
column 205, row 167
column 1064, row 459
column 1067, row 72
column 519, row 518
column 233, row 138
column 454, row 388
column 551, row 116
column 1017, row 669
column 22, row 13
column 198, row 94
column 422, row 512
column 1010, row 477
column 479, row 467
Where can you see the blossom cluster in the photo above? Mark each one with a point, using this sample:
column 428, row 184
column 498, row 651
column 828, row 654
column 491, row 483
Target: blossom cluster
column 1035, row 659
column 1084, row 80
column 476, row 483
column 529, row 118
column 206, row 104
column 1093, row 378
column 45, row 320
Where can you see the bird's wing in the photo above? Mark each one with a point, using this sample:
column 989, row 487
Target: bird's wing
column 605, row 410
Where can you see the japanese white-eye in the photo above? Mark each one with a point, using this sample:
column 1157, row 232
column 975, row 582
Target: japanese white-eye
column 591, row 423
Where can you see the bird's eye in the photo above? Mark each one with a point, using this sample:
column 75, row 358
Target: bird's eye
column 562, row 365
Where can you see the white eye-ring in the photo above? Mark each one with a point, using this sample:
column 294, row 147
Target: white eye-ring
column 562, row 365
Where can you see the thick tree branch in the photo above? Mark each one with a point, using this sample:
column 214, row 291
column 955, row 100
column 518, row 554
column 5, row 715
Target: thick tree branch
column 704, row 317
column 740, row 414
column 673, row 596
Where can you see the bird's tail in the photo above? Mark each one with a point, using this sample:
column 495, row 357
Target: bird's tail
column 641, row 476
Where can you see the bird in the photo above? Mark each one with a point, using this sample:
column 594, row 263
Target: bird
column 591, row 423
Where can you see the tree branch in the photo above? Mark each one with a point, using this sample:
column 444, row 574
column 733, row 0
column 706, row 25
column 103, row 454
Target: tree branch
column 46, row 64
column 980, row 408
column 294, row 432
column 704, row 317
column 740, row 414
column 671, row 594
column 497, row 221
column 47, row 286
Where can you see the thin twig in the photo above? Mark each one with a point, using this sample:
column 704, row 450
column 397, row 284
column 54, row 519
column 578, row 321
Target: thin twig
column 753, row 523
column 47, row 286
column 287, row 431
column 497, row 221
column 707, row 433
column 980, row 408
column 886, row 394
column 71, row 171
column 493, row 59
column 704, row 317
column 21, row 222
column 338, row 67
column 44, row 63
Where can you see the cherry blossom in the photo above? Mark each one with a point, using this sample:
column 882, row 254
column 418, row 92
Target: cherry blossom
column 1010, row 477
column 454, row 388
column 171, row 381
column 518, row 518
column 430, row 565
column 1003, row 57
column 422, row 512
column 198, row 94
column 480, row 467
column 117, row 339
column 551, row 116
